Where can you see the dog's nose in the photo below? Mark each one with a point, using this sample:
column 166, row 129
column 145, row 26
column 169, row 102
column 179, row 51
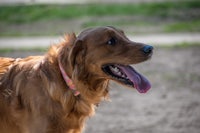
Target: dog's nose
column 147, row 49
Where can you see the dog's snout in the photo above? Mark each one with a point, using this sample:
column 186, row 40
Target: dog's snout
column 147, row 49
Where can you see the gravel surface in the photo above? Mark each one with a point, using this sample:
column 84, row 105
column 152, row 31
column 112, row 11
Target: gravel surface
column 171, row 106
column 154, row 39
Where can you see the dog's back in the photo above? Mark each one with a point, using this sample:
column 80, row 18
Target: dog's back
column 4, row 64
column 10, row 106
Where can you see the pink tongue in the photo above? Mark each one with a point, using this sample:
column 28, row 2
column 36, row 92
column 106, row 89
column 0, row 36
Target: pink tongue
column 140, row 82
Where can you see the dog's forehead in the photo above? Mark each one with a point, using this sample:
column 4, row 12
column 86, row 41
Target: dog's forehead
column 99, row 31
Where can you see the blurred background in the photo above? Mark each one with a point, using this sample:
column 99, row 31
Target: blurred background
column 28, row 27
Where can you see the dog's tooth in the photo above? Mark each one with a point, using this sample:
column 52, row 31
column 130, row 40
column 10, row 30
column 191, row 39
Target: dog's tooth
column 116, row 69
column 119, row 73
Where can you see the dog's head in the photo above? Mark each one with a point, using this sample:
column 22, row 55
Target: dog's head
column 107, row 53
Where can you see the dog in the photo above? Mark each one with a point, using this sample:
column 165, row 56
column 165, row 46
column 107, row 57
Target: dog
column 57, row 92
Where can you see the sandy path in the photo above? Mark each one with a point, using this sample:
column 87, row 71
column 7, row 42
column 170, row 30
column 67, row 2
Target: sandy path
column 154, row 39
column 171, row 106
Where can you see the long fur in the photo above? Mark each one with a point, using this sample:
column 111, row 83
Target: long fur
column 34, row 98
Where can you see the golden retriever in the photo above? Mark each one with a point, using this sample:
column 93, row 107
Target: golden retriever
column 55, row 93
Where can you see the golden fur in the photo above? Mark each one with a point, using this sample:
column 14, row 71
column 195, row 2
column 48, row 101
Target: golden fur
column 34, row 97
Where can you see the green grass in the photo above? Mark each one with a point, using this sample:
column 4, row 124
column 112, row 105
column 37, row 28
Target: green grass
column 38, row 20
column 189, row 26
column 119, row 22
column 31, row 13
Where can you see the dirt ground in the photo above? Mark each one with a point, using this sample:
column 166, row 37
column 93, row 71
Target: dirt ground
column 171, row 106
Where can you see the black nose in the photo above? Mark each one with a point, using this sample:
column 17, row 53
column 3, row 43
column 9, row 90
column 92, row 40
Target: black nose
column 147, row 49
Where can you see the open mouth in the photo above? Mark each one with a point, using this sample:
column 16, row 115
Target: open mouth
column 127, row 75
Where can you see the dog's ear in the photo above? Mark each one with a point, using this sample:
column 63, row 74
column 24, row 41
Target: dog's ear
column 77, row 53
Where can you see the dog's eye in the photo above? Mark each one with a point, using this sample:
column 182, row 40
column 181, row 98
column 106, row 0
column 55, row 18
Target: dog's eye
column 112, row 41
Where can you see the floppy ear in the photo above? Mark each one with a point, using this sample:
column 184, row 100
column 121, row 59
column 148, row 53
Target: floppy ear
column 77, row 53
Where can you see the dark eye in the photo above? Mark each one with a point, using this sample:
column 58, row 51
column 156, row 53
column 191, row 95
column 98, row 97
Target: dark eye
column 112, row 41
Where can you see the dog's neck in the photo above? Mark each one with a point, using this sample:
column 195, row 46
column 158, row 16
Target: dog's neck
column 68, row 80
column 92, row 88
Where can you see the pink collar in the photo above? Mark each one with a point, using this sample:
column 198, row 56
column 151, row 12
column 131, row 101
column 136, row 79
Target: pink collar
column 68, row 81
